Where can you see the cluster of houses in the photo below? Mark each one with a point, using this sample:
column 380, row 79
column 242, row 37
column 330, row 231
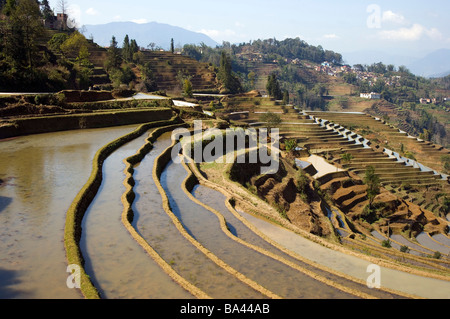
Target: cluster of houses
column 371, row 96
column 332, row 70
column 428, row 101
column 434, row 100
column 370, row 77
column 259, row 57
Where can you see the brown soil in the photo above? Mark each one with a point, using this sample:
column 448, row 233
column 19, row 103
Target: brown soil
column 280, row 191
column 392, row 212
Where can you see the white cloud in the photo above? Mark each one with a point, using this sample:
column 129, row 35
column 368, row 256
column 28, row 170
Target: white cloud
column 331, row 36
column 391, row 17
column 434, row 34
column 91, row 12
column 140, row 21
column 414, row 33
column 406, row 31
column 74, row 12
column 222, row 35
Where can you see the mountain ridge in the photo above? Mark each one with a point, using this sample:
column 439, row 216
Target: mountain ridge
column 433, row 64
column 145, row 33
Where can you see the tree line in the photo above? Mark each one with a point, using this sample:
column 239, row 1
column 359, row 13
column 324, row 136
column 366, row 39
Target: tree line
column 29, row 61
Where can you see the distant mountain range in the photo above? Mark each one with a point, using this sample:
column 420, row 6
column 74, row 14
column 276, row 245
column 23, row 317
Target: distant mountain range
column 435, row 64
column 144, row 34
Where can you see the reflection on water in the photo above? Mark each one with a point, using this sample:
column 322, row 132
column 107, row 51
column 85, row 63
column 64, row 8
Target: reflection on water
column 159, row 231
column 117, row 265
column 42, row 175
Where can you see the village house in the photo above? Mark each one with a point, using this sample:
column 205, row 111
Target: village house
column 371, row 96
column 57, row 22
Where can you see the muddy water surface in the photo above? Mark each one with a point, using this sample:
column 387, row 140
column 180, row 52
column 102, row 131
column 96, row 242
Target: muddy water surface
column 204, row 226
column 118, row 266
column 41, row 176
column 157, row 228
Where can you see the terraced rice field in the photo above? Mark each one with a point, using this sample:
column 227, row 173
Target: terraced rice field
column 426, row 153
column 321, row 133
column 156, row 229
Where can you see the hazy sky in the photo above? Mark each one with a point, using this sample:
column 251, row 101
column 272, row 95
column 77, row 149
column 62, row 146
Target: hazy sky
column 399, row 27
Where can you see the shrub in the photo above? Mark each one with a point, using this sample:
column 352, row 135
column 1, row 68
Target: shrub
column 404, row 249
column 290, row 144
column 301, row 181
column 347, row 157
column 386, row 243
column 437, row 255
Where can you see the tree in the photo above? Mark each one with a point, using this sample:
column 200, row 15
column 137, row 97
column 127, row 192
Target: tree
column 347, row 157
column 56, row 42
column 126, row 49
column 271, row 120
column 285, row 97
column 172, row 47
column 9, row 7
column 252, row 79
column 301, row 181
column 225, row 75
column 187, row 88
column 47, row 12
column 373, row 184
column 113, row 60
column 134, row 48
column 320, row 89
column 73, row 45
column 273, row 87
column 22, row 28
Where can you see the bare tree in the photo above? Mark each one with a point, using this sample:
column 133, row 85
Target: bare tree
column 62, row 6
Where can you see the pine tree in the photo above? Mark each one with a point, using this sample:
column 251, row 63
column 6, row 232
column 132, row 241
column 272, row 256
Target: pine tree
column 225, row 75
column 134, row 48
column 126, row 48
column 47, row 12
column 114, row 59
column 273, row 87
